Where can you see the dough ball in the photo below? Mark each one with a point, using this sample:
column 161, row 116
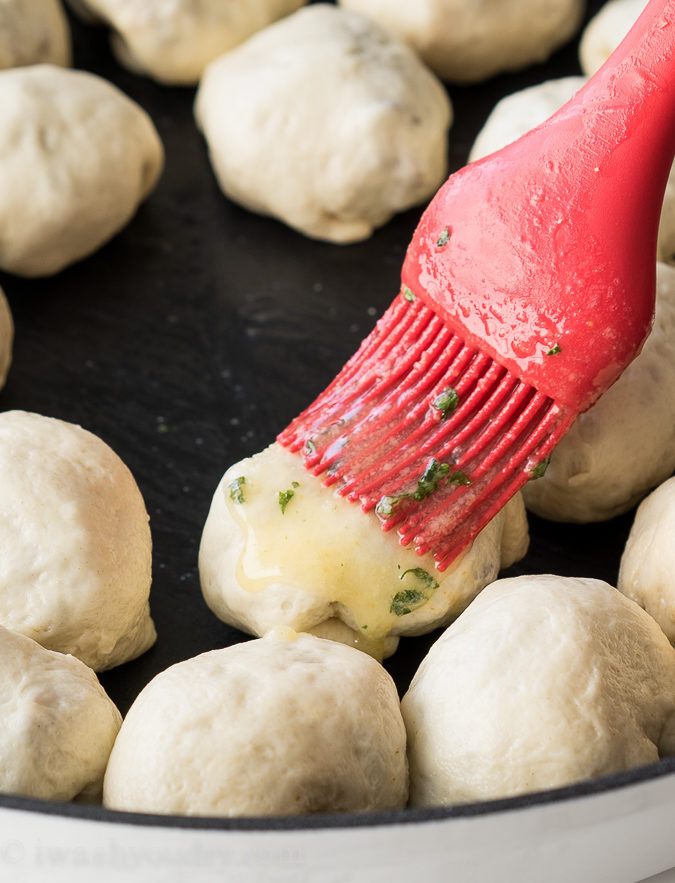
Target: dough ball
column 78, row 157
column 58, row 724
column 605, row 31
column 283, row 725
column 624, row 445
column 6, row 338
column 173, row 42
column 323, row 565
column 76, row 549
column 666, row 247
column 647, row 573
column 326, row 123
column 467, row 42
column 33, row 32
column 517, row 113
column 521, row 111
column 543, row 681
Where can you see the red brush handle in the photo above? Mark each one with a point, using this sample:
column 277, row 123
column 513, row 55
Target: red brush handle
column 551, row 272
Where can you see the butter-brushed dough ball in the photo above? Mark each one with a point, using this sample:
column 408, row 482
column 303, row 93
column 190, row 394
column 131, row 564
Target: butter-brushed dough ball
column 467, row 42
column 75, row 567
column 33, row 32
column 58, row 724
column 320, row 564
column 647, row 573
column 173, row 40
column 623, row 446
column 326, row 123
column 283, row 725
column 78, row 157
column 543, row 681
column 6, row 338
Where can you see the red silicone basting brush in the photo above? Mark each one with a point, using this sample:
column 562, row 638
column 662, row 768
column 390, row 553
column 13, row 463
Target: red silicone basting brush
column 527, row 289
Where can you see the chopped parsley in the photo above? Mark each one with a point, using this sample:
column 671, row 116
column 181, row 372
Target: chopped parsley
column 538, row 470
column 237, row 489
column 446, row 402
column 406, row 601
column 433, row 476
column 555, row 349
column 458, row 478
column 423, row 575
column 285, row 497
column 387, row 504
column 443, row 238
column 310, row 447
column 408, row 294
column 411, row 598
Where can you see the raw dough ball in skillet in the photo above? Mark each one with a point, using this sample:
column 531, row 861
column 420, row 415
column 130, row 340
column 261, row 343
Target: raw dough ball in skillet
column 33, row 32
column 6, row 338
column 283, row 725
column 605, row 31
column 78, row 157
column 543, row 681
column 600, row 38
column 58, row 724
column 174, row 41
column 623, row 446
column 517, row 113
column 465, row 42
column 323, row 565
column 521, row 111
column 325, row 122
column 647, row 573
column 75, row 567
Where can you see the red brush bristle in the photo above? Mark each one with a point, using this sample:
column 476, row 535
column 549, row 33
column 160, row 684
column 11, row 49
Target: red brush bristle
column 433, row 435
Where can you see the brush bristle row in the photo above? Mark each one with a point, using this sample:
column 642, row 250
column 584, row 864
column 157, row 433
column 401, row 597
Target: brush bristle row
column 433, row 435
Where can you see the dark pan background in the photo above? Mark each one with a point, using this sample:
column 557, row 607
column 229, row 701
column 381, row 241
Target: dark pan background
column 196, row 335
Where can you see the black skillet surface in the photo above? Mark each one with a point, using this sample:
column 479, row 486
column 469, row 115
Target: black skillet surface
column 196, row 335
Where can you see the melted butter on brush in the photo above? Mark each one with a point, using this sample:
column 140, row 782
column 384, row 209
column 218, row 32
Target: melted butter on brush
column 302, row 534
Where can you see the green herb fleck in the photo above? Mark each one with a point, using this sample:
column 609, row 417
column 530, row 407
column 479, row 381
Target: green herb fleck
column 364, row 626
column 388, row 503
column 459, row 477
column 431, row 478
column 295, row 484
column 285, row 497
column 423, row 575
column 443, row 238
column 410, row 599
column 237, row 489
column 555, row 349
column 538, row 470
column 408, row 294
column 446, row 402
column 406, row 601
column 310, row 447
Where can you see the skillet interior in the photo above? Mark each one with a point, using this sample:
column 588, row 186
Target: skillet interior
column 192, row 338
